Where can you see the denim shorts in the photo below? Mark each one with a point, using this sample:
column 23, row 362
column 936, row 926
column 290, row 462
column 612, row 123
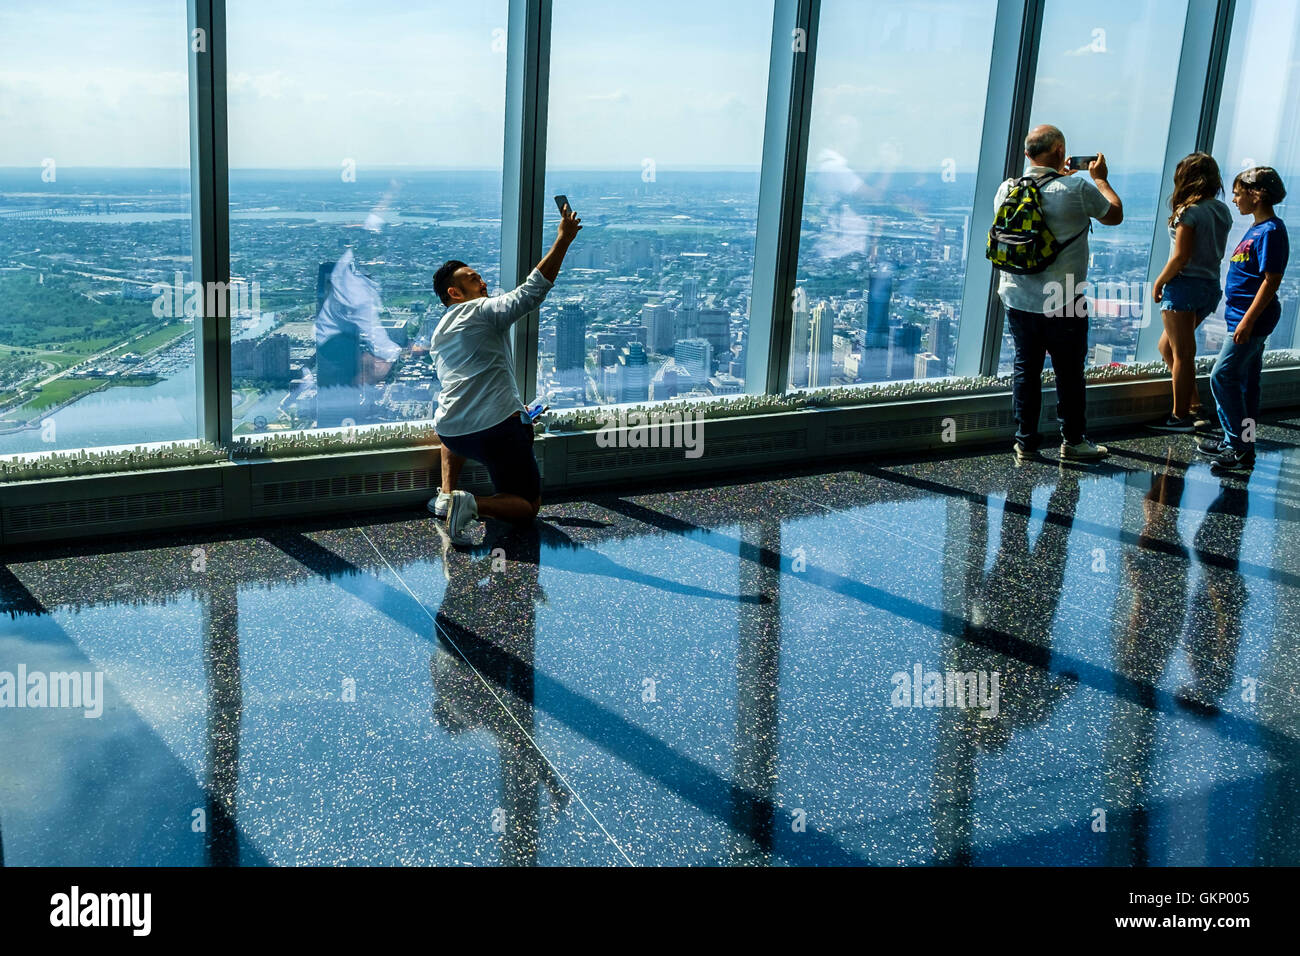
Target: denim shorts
column 1189, row 294
column 506, row 450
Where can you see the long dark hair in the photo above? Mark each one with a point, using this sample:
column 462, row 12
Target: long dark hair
column 1196, row 178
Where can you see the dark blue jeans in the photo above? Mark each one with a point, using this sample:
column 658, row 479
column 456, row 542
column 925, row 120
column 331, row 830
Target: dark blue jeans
column 1234, row 381
column 1065, row 339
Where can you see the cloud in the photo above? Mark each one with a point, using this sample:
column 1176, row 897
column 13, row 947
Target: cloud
column 851, row 89
column 262, row 85
column 721, row 102
column 618, row 97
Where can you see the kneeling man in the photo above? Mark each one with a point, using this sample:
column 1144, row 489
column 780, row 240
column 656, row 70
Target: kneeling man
column 480, row 414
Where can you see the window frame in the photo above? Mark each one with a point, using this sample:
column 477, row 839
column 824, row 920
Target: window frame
column 1008, row 99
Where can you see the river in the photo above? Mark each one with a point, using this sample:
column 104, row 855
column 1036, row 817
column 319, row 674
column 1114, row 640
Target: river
column 118, row 415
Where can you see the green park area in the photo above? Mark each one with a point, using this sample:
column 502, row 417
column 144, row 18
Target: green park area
column 60, row 391
column 67, row 314
column 49, row 326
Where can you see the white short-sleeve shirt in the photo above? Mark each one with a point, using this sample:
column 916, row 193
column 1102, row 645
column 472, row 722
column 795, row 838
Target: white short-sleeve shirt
column 1070, row 203
column 473, row 357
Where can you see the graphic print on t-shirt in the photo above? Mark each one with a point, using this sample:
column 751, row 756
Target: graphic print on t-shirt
column 1242, row 252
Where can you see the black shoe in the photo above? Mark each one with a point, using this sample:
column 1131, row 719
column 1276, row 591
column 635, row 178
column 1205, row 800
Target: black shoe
column 1184, row 426
column 1232, row 460
column 1212, row 446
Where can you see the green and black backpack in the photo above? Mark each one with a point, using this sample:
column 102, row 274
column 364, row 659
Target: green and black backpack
column 1019, row 240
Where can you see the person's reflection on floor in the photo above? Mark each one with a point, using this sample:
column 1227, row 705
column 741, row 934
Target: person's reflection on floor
column 353, row 351
column 1154, row 586
column 1009, row 613
column 225, row 698
column 1019, row 597
column 1214, row 628
column 482, row 672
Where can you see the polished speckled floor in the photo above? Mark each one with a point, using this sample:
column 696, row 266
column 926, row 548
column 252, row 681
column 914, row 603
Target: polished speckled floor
column 698, row 675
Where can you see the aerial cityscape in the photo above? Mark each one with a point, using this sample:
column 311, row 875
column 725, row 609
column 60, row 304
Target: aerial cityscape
column 653, row 303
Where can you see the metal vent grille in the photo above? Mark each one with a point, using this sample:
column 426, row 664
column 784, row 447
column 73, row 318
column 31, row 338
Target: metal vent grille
column 405, row 481
column 91, row 512
column 1281, row 394
column 763, row 445
column 889, row 431
column 346, row 486
column 1119, row 408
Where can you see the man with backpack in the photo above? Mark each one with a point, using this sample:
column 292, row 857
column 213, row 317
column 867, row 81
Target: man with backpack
column 1039, row 244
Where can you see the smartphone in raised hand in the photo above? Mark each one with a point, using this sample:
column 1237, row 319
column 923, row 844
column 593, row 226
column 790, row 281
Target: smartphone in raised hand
column 561, row 202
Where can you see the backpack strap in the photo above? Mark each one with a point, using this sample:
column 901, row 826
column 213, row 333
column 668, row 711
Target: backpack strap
column 1086, row 229
column 1042, row 181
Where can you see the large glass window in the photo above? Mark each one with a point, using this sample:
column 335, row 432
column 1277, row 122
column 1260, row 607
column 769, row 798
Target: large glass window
column 1106, row 72
column 96, row 347
column 1259, row 125
column 893, row 147
column 365, row 150
column 656, row 137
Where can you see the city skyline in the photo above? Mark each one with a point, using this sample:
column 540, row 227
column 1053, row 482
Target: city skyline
column 660, row 284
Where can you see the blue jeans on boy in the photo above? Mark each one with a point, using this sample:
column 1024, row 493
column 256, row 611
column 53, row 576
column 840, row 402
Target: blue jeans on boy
column 1234, row 382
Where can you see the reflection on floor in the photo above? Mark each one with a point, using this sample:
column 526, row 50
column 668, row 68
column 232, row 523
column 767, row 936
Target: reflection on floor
column 938, row 661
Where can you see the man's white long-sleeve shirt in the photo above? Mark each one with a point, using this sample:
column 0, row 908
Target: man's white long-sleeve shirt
column 474, row 358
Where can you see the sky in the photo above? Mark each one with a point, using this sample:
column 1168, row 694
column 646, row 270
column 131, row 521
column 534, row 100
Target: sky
column 900, row 83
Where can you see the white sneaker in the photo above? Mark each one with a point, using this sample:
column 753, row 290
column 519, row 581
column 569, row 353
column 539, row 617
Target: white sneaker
column 440, row 504
column 460, row 512
column 1083, row 451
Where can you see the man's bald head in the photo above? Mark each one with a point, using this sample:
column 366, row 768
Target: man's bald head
column 1045, row 143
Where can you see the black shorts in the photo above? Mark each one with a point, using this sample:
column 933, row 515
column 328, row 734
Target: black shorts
column 506, row 450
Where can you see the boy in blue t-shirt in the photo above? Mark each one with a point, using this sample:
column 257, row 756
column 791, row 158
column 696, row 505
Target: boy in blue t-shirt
column 1252, row 311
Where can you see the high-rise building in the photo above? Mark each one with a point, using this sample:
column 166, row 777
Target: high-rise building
column 904, row 345
column 634, row 373
column 571, row 345
column 880, row 289
column 611, row 378
column 630, row 332
column 715, row 325
column 821, row 366
column 690, row 293
column 1109, row 354
column 737, row 364
column 696, row 356
column 686, row 322
column 658, row 321
column 799, row 348
column 927, row 365
column 941, row 339
column 264, row 359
